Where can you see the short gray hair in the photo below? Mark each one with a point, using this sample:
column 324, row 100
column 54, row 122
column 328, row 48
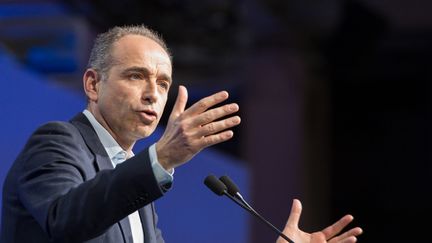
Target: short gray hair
column 100, row 56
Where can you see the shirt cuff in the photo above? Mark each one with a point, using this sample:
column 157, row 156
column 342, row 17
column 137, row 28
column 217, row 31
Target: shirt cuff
column 163, row 176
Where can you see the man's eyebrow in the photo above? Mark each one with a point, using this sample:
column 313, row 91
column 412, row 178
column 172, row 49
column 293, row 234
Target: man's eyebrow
column 142, row 70
column 147, row 72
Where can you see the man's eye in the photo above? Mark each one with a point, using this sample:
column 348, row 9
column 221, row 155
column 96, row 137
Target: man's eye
column 164, row 85
column 135, row 76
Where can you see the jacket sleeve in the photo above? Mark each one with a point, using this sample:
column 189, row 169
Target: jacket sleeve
column 58, row 185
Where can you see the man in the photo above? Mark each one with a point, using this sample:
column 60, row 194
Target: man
column 79, row 181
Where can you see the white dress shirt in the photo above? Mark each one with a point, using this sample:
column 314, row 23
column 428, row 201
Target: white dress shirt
column 117, row 155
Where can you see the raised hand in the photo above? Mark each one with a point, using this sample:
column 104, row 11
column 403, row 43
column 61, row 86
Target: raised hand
column 191, row 130
column 327, row 235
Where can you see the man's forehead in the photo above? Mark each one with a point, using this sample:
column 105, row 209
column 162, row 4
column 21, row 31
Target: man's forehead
column 140, row 50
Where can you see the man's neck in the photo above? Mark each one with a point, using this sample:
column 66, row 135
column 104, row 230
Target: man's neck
column 126, row 144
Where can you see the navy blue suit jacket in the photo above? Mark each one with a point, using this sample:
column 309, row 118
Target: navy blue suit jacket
column 63, row 188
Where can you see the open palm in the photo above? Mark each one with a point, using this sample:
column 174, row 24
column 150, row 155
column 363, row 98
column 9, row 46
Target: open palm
column 331, row 234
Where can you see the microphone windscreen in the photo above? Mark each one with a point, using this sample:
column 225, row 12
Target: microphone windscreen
column 232, row 187
column 215, row 185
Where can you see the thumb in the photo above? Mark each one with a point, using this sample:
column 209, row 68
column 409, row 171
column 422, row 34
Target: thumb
column 294, row 217
column 180, row 103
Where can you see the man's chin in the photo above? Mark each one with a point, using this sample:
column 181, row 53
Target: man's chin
column 145, row 132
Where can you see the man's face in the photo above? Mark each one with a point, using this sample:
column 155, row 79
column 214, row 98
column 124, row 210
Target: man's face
column 131, row 100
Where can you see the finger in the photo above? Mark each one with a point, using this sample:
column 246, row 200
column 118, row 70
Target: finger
column 216, row 138
column 295, row 214
column 218, row 126
column 335, row 228
column 214, row 114
column 351, row 239
column 207, row 102
column 180, row 103
column 348, row 235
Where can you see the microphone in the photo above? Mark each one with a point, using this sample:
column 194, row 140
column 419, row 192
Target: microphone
column 233, row 189
column 225, row 186
column 219, row 188
column 215, row 185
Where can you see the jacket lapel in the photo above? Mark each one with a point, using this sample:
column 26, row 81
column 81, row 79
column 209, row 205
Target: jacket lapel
column 126, row 230
column 92, row 140
column 146, row 214
column 102, row 160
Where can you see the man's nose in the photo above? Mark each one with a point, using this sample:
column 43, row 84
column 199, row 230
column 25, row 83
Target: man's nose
column 150, row 92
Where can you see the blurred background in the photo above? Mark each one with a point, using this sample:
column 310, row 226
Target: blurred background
column 335, row 100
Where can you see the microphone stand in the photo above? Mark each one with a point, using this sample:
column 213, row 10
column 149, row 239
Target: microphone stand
column 256, row 214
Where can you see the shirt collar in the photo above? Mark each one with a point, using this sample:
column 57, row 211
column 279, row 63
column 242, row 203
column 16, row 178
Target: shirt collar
column 110, row 144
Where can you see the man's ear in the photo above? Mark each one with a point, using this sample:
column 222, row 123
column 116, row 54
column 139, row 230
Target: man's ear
column 91, row 81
